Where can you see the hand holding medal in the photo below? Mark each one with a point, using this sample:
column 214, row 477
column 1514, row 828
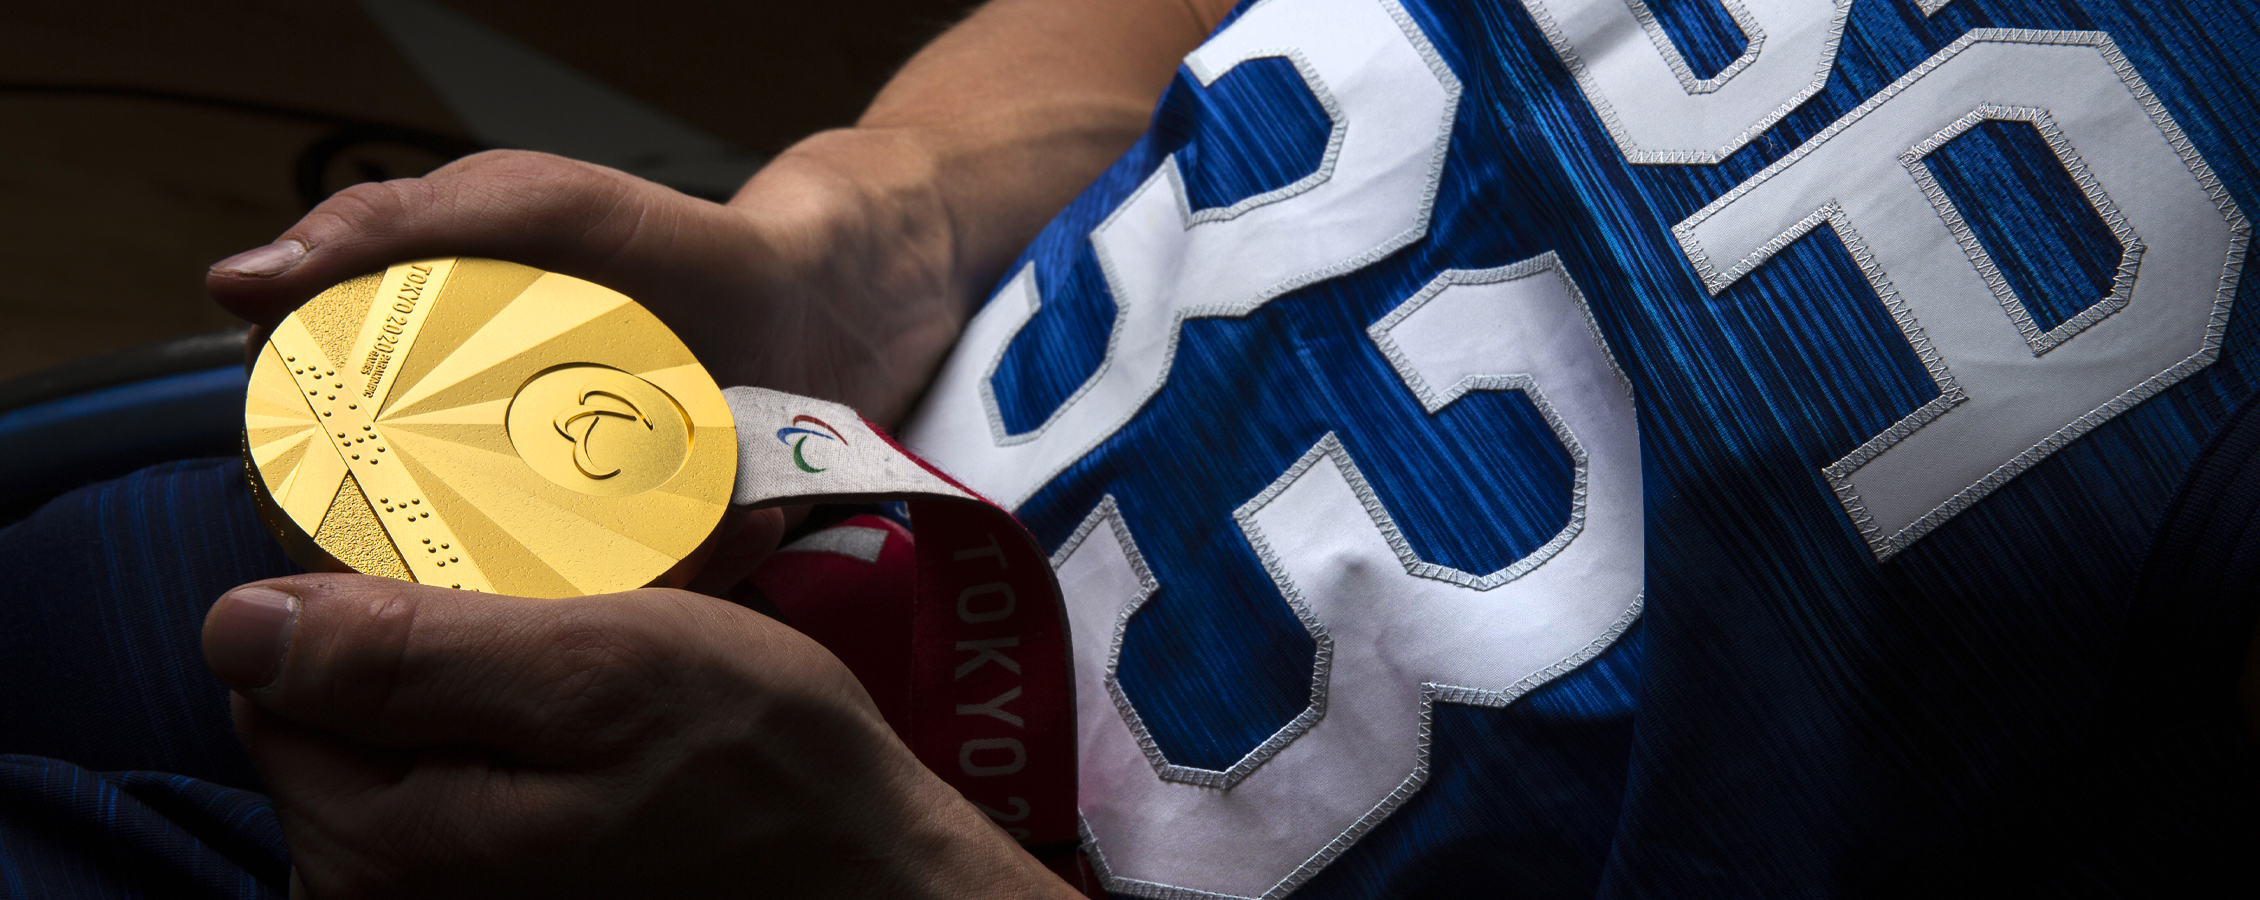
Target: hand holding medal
column 526, row 433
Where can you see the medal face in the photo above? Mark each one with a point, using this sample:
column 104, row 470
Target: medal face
column 487, row 426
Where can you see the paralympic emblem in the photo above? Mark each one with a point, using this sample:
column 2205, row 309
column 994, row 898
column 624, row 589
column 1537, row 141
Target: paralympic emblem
column 585, row 411
column 797, row 437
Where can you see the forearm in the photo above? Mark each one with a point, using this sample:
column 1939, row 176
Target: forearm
column 987, row 132
column 846, row 268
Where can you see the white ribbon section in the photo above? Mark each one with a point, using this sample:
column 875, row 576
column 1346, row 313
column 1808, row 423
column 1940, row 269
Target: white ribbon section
column 1392, row 101
column 798, row 448
column 1402, row 641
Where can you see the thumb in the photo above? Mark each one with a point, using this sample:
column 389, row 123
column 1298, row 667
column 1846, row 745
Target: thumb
column 541, row 210
column 405, row 666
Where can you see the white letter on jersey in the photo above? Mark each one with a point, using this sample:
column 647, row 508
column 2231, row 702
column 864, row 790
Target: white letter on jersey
column 2009, row 395
column 1403, row 633
column 1367, row 64
column 1652, row 103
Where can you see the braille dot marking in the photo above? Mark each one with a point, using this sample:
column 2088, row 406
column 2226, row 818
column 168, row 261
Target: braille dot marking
column 290, row 359
column 358, row 456
column 456, row 586
column 443, row 544
column 453, row 559
column 431, row 549
column 418, row 502
column 325, row 415
column 443, row 565
column 427, row 540
column 426, row 515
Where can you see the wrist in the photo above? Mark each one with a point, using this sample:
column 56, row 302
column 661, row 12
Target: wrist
column 953, row 852
column 870, row 195
column 877, row 823
column 856, row 238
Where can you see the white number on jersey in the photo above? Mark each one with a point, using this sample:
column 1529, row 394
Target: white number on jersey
column 2009, row 394
column 1370, row 68
column 1652, row 103
column 1396, row 633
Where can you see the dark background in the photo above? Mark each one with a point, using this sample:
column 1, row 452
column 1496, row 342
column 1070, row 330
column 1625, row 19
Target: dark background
column 142, row 141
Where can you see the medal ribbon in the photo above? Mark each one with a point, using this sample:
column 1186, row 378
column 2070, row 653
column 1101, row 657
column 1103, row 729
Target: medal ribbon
column 979, row 684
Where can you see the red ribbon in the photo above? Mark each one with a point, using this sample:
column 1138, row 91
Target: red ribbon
column 960, row 637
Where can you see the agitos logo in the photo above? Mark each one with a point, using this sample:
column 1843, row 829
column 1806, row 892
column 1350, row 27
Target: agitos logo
column 593, row 412
column 797, row 437
column 597, row 430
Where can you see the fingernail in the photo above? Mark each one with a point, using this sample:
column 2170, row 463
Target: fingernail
column 265, row 262
column 246, row 634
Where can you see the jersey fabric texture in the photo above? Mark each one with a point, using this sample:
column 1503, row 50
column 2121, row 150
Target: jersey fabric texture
column 102, row 599
column 1813, row 691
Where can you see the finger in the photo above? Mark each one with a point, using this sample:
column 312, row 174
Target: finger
column 545, row 211
column 328, row 791
column 736, row 548
column 252, row 342
column 301, row 764
column 407, row 666
column 351, row 813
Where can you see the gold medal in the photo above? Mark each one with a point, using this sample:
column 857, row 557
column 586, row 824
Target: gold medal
column 487, row 426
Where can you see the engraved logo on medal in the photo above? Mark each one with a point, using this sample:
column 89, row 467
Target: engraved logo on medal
column 578, row 424
column 598, row 430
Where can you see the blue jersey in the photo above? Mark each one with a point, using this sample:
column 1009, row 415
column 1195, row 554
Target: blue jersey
column 1573, row 447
